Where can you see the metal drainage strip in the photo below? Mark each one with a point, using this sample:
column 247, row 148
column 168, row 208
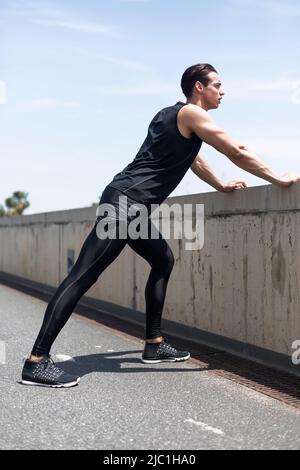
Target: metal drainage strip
column 275, row 384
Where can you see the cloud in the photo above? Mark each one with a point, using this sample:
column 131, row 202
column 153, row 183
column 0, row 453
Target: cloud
column 2, row 92
column 150, row 88
column 262, row 89
column 120, row 62
column 266, row 7
column 52, row 103
column 87, row 27
column 278, row 84
column 47, row 15
column 286, row 8
column 135, row 1
column 279, row 149
column 31, row 9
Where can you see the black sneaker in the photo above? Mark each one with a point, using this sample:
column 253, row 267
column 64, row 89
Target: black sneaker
column 46, row 374
column 162, row 352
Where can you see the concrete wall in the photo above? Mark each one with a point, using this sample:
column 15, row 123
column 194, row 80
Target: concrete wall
column 243, row 284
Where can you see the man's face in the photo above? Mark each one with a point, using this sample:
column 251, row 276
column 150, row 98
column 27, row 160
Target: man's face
column 212, row 94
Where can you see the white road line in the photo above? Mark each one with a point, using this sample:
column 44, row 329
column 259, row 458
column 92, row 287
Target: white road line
column 205, row 426
column 64, row 357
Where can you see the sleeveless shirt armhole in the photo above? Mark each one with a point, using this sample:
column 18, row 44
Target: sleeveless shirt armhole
column 185, row 139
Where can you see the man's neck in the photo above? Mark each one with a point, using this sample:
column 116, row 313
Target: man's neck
column 197, row 102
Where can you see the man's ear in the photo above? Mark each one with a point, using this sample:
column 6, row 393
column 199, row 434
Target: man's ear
column 199, row 85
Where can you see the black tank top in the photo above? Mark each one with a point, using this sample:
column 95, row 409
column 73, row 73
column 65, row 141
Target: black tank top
column 162, row 161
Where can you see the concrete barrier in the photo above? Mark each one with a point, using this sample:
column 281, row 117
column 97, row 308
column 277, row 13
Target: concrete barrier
column 241, row 288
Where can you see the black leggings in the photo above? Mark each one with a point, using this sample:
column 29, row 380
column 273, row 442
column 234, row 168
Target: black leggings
column 95, row 256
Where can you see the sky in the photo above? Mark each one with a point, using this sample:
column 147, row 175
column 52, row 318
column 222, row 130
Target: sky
column 80, row 82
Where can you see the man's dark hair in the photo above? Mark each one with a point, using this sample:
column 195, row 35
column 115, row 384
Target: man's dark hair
column 193, row 74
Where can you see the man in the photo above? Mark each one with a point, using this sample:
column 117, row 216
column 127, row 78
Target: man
column 172, row 144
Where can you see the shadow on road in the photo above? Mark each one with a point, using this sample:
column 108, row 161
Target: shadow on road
column 116, row 362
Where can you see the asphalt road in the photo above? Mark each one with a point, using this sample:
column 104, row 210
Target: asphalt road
column 121, row 403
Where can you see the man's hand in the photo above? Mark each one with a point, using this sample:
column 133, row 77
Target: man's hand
column 288, row 179
column 235, row 184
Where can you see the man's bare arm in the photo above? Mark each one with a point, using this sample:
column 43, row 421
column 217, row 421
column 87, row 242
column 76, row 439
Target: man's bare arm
column 201, row 168
column 199, row 121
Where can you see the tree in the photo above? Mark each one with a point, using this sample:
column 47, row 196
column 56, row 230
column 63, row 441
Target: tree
column 16, row 204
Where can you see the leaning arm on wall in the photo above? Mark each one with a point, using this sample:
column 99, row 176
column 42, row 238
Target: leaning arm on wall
column 199, row 122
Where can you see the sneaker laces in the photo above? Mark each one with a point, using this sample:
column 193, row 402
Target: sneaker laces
column 167, row 347
column 50, row 364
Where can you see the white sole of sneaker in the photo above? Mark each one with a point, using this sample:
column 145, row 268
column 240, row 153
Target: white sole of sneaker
column 69, row 384
column 156, row 361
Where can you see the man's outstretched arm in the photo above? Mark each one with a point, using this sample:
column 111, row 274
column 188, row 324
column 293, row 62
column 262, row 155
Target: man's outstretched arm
column 201, row 168
column 199, row 121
